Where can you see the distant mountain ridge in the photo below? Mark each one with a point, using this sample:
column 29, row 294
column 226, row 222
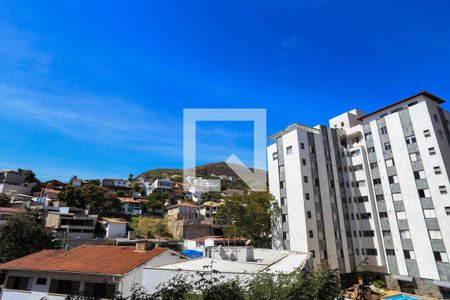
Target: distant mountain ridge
column 220, row 168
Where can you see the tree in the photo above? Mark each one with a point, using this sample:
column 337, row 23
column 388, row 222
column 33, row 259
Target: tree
column 211, row 196
column 100, row 200
column 72, row 197
column 28, row 175
column 252, row 216
column 24, row 234
column 5, row 201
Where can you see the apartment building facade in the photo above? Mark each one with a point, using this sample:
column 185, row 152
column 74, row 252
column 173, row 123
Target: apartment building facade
column 369, row 192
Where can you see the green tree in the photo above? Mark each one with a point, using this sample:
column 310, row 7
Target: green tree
column 24, row 234
column 211, row 196
column 100, row 200
column 252, row 216
column 5, row 201
column 28, row 174
column 72, row 197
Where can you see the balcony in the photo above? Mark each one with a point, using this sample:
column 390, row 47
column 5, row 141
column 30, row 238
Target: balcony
column 438, row 245
column 422, row 184
column 426, row 203
column 432, row 224
column 407, row 244
column 399, row 206
column 395, row 188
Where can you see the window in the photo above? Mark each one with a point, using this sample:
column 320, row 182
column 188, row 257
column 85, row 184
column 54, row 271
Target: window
column 311, row 234
column 357, row 251
column 313, row 253
column 308, row 213
column 383, row 215
column 362, row 199
column 41, row 281
column 443, row 189
column 435, row 118
column 409, row 254
column 377, row 181
column 432, row 151
column 371, row 150
column 390, row 252
column 410, row 139
column 435, row 234
column 289, row 150
column 401, row 215
column 357, row 167
column 412, row 103
column 441, row 134
column 393, row 179
column 387, row 146
column 18, row 283
column 387, row 233
column 440, row 256
column 305, row 178
column 383, row 130
column 307, row 196
column 427, row 133
column 355, row 153
column 302, row 146
column 390, row 162
column 371, row 251
column 283, row 201
column 437, row 170
column 368, row 233
column 415, row 156
column 282, row 184
column 419, row 175
column 447, row 210
column 99, row 290
column 275, row 155
column 397, row 197
column 373, row 165
column 405, row 234
column 303, row 161
column 424, row 193
column 361, row 183
column 365, row 216
column 368, row 135
column 342, row 124
column 379, row 197
column 429, row 213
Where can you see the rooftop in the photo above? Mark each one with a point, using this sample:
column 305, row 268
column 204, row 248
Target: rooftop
column 11, row 210
column 88, row 259
column 423, row 93
column 114, row 220
column 272, row 261
column 130, row 200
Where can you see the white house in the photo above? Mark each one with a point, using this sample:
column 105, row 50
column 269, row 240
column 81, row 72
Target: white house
column 230, row 262
column 163, row 185
column 96, row 271
column 114, row 227
column 131, row 206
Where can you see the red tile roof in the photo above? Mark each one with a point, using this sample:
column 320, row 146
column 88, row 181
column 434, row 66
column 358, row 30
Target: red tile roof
column 11, row 210
column 90, row 259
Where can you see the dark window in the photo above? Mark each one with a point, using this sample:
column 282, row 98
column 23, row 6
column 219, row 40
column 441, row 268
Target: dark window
column 373, row 165
column 305, row 178
column 383, row 215
column 379, row 197
column 368, row 233
column 311, row 234
column 308, row 214
column 371, row 149
column 275, row 155
column 437, row 170
column 371, row 251
column 67, row 287
column 435, row 118
column 366, row 216
column 99, row 290
column 41, row 281
column 390, row 252
column 383, row 130
column 303, row 161
column 18, row 283
column 377, row 181
column 307, row 196
column 432, row 151
column 302, row 146
column 386, row 233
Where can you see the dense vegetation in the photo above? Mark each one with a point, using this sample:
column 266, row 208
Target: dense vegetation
column 251, row 216
column 24, row 234
column 322, row 283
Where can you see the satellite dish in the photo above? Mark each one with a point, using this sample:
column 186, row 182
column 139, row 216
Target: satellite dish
column 248, row 242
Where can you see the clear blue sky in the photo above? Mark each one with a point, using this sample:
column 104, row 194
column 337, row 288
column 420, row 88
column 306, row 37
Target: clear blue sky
column 97, row 88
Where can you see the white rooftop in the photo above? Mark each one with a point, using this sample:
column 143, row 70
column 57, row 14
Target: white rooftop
column 268, row 260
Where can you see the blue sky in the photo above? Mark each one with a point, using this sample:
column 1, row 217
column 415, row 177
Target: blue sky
column 98, row 88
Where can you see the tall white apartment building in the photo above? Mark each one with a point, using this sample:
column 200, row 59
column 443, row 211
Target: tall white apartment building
column 370, row 192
